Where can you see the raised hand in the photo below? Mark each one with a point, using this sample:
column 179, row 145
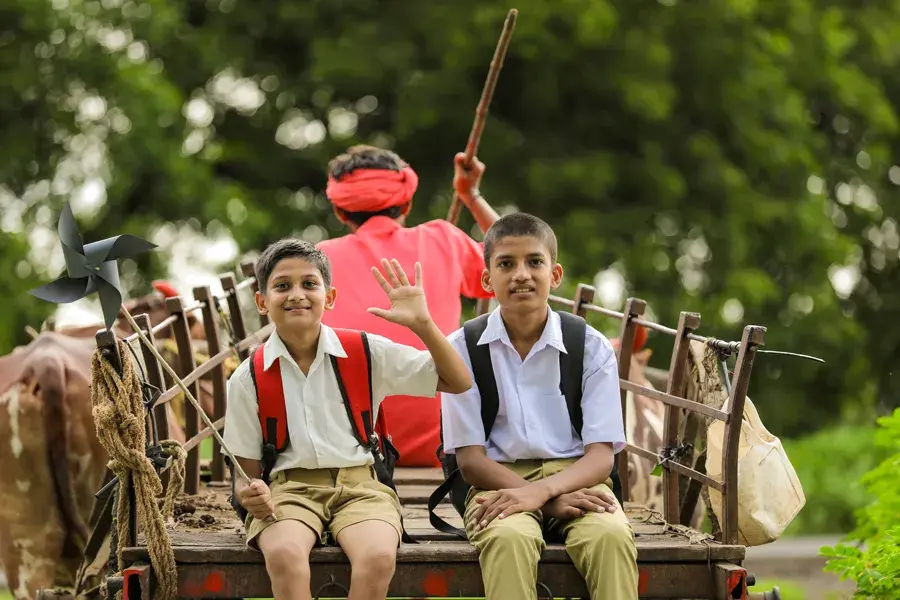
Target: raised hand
column 408, row 306
column 466, row 178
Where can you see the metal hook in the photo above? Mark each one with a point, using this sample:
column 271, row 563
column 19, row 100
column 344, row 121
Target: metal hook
column 549, row 596
column 783, row 353
column 328, row 584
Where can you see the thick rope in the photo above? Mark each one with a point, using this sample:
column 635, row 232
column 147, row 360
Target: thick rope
column 119, row 418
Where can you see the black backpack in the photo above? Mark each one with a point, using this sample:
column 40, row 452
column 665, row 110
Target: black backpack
column 570, row 370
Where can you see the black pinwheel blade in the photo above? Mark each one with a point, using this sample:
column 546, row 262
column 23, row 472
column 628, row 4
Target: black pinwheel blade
column 110, row 301
column 115, row 248
column 68, row 230
column 64, row 290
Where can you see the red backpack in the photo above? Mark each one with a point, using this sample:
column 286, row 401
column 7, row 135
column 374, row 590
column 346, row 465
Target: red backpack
column 354, row 379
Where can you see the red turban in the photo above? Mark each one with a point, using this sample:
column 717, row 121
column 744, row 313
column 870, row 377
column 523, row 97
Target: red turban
column 165, row 288
column 372, row 190
column 640, row 338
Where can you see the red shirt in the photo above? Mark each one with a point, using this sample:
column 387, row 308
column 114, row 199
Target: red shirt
column 452, row 265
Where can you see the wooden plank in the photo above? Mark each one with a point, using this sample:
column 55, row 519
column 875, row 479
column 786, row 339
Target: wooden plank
column 422, row 579
column 417, row 494
column 229, row 547
column 641, row 390
column 418, row 476
column 677, row 467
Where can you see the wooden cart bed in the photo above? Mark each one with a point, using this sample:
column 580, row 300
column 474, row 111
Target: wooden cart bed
column 214, row 561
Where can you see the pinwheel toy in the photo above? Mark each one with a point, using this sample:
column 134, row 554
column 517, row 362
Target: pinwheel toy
column 91, row 268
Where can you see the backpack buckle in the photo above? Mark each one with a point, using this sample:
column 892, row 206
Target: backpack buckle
column 374, row 444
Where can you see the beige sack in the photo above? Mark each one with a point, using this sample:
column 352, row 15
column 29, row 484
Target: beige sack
column 769, row 492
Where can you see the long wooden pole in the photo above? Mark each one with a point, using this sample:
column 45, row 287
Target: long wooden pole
column 187, row 394
column 487, row 94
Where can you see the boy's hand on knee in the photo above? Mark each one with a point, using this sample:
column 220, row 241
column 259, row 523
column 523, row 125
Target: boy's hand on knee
column 579, row 503
column 504, row 503
column 257, row 499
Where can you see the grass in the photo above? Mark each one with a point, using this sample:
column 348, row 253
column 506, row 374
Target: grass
column 205, row 450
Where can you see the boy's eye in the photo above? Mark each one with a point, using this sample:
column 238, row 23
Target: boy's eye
column 504, row 264
column 310, row 284
column 537, row 261
column 281, row 285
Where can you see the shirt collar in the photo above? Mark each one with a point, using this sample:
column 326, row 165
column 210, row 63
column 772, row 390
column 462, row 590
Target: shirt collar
column 551, row 336
column 379, row 225
column 328, row 344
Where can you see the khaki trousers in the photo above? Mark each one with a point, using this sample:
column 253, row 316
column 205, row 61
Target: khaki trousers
column 601, row 545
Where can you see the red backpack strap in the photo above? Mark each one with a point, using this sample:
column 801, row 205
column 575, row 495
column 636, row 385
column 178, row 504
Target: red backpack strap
column 354, row 377
column 270, row 399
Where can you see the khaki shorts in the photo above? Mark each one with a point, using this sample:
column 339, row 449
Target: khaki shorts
column 328, row 500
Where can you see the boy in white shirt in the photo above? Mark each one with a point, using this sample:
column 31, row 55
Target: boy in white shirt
column 535, row 470
column 323, row 479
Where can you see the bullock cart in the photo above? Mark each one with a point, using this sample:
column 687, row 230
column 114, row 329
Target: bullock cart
column 675, row 561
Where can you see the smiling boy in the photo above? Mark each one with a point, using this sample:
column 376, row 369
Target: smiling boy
column 534, row 471
column 324, row 479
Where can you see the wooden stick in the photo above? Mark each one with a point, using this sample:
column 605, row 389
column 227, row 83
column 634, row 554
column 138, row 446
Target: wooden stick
column 187, row 394
column 487, row 93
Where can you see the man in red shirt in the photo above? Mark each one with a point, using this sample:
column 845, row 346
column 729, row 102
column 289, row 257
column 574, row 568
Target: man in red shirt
column 371, row 190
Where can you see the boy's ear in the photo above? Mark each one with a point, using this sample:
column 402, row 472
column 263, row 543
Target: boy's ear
column 556, row 275
column 330, row 297
column 486, row 281
column 261, row 304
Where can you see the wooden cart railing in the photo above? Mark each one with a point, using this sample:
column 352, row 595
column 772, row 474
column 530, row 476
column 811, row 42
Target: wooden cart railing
column 226, row 335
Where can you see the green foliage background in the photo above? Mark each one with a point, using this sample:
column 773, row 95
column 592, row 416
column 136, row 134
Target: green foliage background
column 876, row 567
column 708, row 151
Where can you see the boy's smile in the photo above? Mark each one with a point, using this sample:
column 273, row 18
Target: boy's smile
column 521, row 273
column 296, row 295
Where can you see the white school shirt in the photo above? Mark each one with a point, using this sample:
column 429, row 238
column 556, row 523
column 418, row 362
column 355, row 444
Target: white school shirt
column 320, row 432
column 532, row 420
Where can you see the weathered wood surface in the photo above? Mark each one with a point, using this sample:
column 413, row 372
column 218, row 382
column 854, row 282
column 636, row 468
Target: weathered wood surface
column 208, row 530
column 229, row 547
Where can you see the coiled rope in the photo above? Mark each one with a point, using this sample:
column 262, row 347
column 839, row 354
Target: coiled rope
column 119, row 418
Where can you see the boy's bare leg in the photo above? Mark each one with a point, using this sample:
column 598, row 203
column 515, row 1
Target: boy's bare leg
column 286, row 546
column 371, row 547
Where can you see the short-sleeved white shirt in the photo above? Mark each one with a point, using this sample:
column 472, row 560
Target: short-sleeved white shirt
column 320, row 432
column 532, row 420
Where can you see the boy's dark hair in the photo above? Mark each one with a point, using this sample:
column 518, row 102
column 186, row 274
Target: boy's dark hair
column 515, row 225
column 290, row 248
column 366, row 157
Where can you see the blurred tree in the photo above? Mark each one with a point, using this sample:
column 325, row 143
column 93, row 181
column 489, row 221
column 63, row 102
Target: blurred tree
column 732, row 158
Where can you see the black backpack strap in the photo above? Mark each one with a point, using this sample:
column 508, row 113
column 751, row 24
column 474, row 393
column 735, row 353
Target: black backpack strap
column 483, row 374
column 482, row 371
column 455, row 478
column 571, row 375
column 571, row 366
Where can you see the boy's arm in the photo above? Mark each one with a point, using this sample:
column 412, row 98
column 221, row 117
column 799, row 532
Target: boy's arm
column 243, row 436
column 408, row 308
column 485, row 473
column 463, row 432
column 452, row 374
